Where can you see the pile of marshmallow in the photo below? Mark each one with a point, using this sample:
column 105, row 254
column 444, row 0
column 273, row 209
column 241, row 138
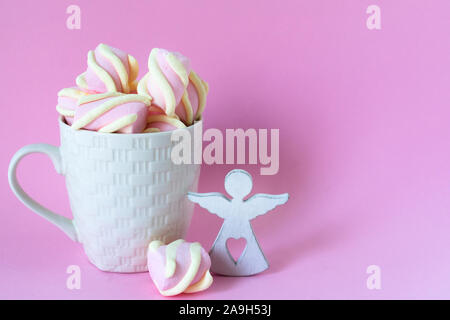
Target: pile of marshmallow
column 109, row 98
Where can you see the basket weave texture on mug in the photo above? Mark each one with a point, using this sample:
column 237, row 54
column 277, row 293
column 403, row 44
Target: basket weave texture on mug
column 125, row 192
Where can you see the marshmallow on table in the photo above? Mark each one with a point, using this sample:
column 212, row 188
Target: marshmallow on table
column 68, row 102
column 158, row 123
column 166, row 80
column 112, row 112
column 179, row 267
column 193, row 101
column 109, row 70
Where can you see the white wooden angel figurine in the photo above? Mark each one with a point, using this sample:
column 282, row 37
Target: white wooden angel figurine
column 237, row 214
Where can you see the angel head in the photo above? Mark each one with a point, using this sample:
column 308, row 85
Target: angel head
column 238, row 183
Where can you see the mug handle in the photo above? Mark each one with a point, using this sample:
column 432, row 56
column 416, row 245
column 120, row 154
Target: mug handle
column 65, row 224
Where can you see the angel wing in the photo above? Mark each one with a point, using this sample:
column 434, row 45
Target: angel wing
column 261, row 203
column 214, row 202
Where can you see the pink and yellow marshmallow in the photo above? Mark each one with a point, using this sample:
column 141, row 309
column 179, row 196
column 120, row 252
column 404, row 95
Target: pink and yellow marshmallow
column 193, row 101
column 179, row 267
column 162, row 122
column 109, row 70
column 68, row 102
column 166, row 80
column 154, row 110
column 112, row 112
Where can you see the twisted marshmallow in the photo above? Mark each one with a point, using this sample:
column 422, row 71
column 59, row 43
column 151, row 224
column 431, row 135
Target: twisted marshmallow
column 179, row 267
column 193, row 101
column 158, row 123
column 112, row 112
column 166, row 80
column 68, row 102
column 109, row 70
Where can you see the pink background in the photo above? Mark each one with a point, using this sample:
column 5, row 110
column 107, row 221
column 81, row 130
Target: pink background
column 364, row 128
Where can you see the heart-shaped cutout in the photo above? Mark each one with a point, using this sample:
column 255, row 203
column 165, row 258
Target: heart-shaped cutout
column 236, row 247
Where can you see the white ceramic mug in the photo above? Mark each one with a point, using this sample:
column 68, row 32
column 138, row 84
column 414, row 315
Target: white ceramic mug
column 124, row 192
